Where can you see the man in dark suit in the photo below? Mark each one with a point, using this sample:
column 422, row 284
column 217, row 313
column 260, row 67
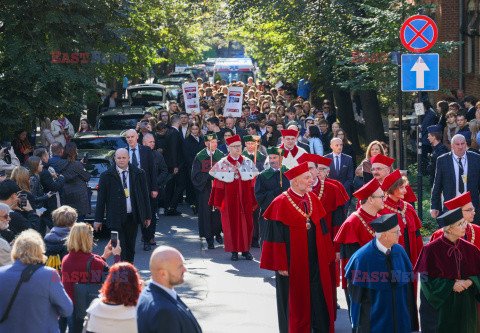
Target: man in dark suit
column 329, row 113
column 123, row 194
column 457, row 172
column 159, row 308
column 176, row 166
column 230, row 123
column 435, row 137
column 341, row 168
column 470, row 102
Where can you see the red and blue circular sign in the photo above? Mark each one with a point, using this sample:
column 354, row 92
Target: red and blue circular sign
column 419, row 33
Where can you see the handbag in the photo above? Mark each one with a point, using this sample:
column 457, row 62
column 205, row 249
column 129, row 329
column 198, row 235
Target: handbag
column 24, row 277
column 85, row 293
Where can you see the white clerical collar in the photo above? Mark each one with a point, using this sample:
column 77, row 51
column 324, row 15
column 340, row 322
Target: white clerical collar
column 316, row 182
column 380, row 246
column 299, row 195
column 169, row 291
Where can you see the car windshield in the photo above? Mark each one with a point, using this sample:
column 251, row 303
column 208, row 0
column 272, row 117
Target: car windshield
column 237, row 75
column 111, row 143
column 118, row 122
column 181, row 75
column 172, row 93
column 96, row 166
column 150, row 95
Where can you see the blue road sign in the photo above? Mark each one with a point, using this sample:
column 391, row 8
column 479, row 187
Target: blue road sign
column 420, row 72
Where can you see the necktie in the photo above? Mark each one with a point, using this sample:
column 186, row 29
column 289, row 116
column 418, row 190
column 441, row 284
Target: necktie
column 461, row 185
column 134, row 158
column 337, row 165
column 124, row 178
column 388, row 252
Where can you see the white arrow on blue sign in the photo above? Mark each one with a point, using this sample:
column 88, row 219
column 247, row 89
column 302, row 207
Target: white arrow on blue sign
column 420, row 72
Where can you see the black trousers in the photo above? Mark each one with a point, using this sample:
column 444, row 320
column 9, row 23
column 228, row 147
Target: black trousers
column 256, row 228
column 127, row 235
column 175, row 187
column 149, row 233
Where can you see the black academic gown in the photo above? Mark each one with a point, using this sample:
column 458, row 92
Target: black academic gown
column 267, row 188
column 437, row 151
column 191, row 147
column 209, row 220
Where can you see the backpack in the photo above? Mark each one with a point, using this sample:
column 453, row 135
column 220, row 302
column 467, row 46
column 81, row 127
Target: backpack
column 54, row 262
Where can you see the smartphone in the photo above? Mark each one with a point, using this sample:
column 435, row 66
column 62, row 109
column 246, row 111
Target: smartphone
column 114, row 238
column 22, row 201
column 143, row 125
column 85, row 158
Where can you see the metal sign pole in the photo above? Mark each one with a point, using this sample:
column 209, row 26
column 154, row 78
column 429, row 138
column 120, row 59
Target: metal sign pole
column 419, row 164
column 400, row 111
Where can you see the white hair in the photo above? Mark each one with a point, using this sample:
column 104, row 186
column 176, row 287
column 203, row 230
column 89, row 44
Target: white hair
column 147, row 135
column 457, row 137
column 335, row 139
column 4, row 208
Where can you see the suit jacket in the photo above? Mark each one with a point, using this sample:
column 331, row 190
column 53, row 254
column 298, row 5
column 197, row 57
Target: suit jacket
column 174, row 155
column 429, row 119
column 158, row 312
column 346, row 173
column 305, row 146
column 111, row 197
column 147, row 164
column 445, row 181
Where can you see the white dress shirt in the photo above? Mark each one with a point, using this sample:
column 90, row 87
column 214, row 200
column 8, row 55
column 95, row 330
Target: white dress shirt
column 380, row 246
column 169, row 291
column 137, row 153
column 184, row 131
column 129, row 202
column 456, row 168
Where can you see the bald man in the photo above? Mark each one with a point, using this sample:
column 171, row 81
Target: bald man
column 341, row 168
column 159, row 308
column 123, row 200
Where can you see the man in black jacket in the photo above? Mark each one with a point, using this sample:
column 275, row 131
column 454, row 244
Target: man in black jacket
column 49, row 185
column 162, row 172
column 123, row 195
column 176, row 185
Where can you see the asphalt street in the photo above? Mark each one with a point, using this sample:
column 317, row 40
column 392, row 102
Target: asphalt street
column 225, row 296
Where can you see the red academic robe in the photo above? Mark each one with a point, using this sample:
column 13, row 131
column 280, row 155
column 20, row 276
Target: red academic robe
column 353, row 232
column 340, row 187
column 334, row 204
column 409, row 197
column 413, row 225
column 274, row 257
column 236, row 201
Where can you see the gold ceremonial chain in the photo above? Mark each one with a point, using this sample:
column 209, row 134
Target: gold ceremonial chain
column 320, row 194
column 473, row 233
column 369, row 229
column 396, row 210
column 307, row 216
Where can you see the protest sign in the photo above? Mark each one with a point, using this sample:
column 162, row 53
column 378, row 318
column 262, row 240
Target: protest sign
column 233, row 106
column 190, row 94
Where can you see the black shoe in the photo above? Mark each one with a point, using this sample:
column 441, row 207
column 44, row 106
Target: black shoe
column 194, row 209
column 247, row 255
column 234, row 256
column 211, row 246
column 152, row 242
column 219, row 239
column 255, row 244
column 146, row 247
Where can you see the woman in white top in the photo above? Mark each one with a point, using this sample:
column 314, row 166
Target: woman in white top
column 115, row 309
column 5, row 249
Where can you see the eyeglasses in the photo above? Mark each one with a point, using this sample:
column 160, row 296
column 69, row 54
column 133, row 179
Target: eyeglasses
column 236, row 146
column 378, row 169
column 398, row 232
column 378, row 196
column 461, row 224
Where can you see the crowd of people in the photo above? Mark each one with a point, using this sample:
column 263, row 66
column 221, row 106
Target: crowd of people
column 280, row 178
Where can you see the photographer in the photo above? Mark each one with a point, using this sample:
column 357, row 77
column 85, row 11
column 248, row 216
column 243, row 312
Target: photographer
column 8, row 159
column 143, row 127
column 22, row 216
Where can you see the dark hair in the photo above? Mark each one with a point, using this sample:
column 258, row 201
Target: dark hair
column 254, row 126
column 160, row 126
column 314, row 131
column 111, row 93
column 226, row 129
column 70, row 152
column 291, row 109
column 40, row 152
column 261, row 116
column 462, row 113
column 19, row 131
column 7, row 188
column 443, row 105
column 470, row 99
column 122, row 285
column 56, row 148
column 33, row 164
column 213, row 120
column 436, row 135
column 89, row 127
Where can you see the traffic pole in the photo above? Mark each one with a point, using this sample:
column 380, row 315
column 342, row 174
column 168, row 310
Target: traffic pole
column 419, row 164
column 400, row 110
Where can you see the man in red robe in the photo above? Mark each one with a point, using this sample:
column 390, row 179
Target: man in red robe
column 395, row 187
column 233, row 194
column 298, row 247
column 333, row 202
column 356, row 231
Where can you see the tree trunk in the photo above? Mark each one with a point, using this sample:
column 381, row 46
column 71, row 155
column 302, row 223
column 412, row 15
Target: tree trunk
column 371, row 113
column 346, row 117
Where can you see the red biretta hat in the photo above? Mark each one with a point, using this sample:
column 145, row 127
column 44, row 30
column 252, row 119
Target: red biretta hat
column 459, row 201
column 297, row 171
column 367, row 190
column 289, row 132
column 315, row 159
column 233, row 139
column 382, row 159
column 390, row 179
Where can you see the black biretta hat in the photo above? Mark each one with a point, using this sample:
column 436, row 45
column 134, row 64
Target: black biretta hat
column 450, row 217
column 385, row 222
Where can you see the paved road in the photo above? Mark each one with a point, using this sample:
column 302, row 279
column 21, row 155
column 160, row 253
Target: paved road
column 224, row 295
